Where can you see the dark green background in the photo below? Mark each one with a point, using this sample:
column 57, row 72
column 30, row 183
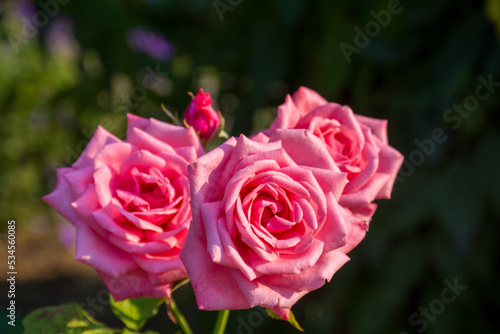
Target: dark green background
column 443, row 220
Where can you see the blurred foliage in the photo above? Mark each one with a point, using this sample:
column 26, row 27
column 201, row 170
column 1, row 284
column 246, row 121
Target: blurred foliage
column 442, row 222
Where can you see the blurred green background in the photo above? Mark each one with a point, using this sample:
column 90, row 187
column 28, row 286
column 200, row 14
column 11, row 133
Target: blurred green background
column 68, row 66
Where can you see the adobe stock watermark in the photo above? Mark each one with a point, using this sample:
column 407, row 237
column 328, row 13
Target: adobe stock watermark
column 223, row 6
column 31, row 25
column 372, row 29
column 436, row 307
column 454, row 117
column 121, row 106
column 254, row 319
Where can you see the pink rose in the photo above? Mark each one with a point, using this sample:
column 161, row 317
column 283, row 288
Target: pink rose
column 267, row 227
column 129, row 202
column 202, row 117
column 357, row 144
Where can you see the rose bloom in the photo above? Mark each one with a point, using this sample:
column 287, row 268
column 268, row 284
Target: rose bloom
column 267, row 226
column 129, row 202
column 357, row 144
column 202, row 117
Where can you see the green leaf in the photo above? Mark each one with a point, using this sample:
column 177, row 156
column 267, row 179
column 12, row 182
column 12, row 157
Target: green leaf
column 135, row 312
column 291, row 320
column 68, row 318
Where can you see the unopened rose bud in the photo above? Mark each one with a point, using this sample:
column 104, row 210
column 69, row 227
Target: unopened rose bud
column 202, row 117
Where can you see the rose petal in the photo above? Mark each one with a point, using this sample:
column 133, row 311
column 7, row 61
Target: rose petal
column 98, row 253
column 356, row 232
column 78, row 180
column 100, row 139
column 134, row 285
column 146, row 141
column 62, row 197
column 85, row 205
column 288, row 263
column 298, row 141
column 106, row 184
column 334, row 231
column 390, row 160
column 214, row 287
column 314, row 277
column 159, row 264
column 113, row 155
column 306, row 100
column 129, row 232
column 145, row 247
column 377, row 126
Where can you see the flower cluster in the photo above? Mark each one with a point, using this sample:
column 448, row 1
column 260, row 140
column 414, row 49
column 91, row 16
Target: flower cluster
column 256, row 221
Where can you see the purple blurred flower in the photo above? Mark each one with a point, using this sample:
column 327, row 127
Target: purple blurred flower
column 59, row 38
column 25, row 8
column 151, row 43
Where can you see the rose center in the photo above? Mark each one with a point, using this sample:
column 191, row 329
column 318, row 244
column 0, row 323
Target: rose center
column 150, row 195
column 267, row 214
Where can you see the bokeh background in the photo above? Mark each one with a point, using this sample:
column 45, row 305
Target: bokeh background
column 72, row 65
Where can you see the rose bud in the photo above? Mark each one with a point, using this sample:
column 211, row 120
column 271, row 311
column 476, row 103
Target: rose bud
column 202, row 117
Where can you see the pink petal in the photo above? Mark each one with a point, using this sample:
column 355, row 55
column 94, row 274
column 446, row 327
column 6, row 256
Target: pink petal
column 134, row 285
column 334, row 230
column 390, row 161
column 105, row 181
column 135, row 121
column 100, row 254
column 377, row 126
column 100, row 139
column 142, row 160
column 288, row 117
column 138, row 222
column 289, row 263
column 141, row 247
column 260, row 292
column 312, row 278
column 298, row 141
column 364, row 213
column 155, row 236
column 215, row 288
column 235, row 253
column 170, row 276
column 366, row 194
column 357, row 229
column 246, row 148
column 371, row 158
column 207, row 177
column 79, row 179
column 173, row 135
column 211, row 213
column 113, row 155
column 123, row 231
column 189, row 153
column 260, row 137
column 85, row 205
column 62, row 197
column 175, row 162
column 330, row 181
column 306, row 100
column 143, row 140
column 160, row 264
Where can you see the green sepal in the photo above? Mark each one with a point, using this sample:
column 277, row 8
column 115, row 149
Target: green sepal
column 291, row 319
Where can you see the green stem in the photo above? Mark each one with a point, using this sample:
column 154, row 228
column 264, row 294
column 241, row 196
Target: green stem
column 181, row 321
column 220, row 324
